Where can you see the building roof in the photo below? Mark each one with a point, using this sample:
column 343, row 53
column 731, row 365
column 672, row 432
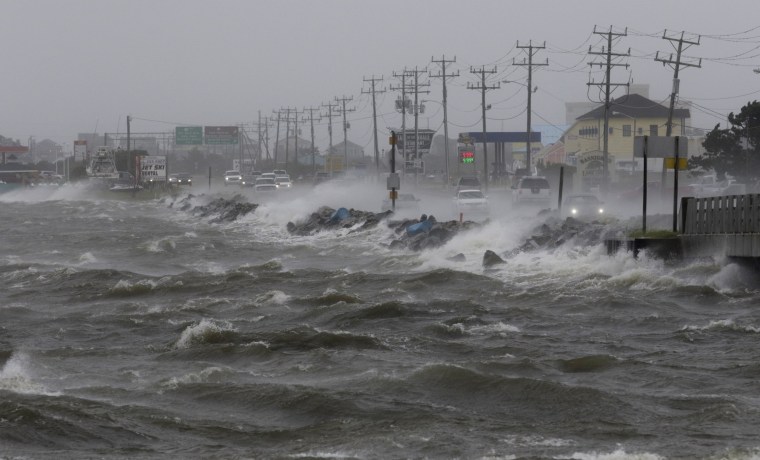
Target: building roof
column 635, row 106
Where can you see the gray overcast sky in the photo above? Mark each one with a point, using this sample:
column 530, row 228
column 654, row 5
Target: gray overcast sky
column 84, row 65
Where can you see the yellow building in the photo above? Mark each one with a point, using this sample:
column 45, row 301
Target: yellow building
column 629, row 116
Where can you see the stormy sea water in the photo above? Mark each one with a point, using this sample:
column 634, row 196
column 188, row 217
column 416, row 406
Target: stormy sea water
column 133, row 328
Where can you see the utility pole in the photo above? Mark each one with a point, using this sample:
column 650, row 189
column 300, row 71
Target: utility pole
column 530, row 64
column 287, row 135
column 372, row 81
column 416, row 72
column 277, row 137
column 262, row 130
column 295, row 130
column 402, row 105
column 443, row 76
column 676, row 64
column 609, row 55
column 483, row 87
column 313, row 148
column 343, row 110
column 330, row 112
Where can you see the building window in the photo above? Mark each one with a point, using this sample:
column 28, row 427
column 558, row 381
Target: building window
column 626, row 130
column 653, row 130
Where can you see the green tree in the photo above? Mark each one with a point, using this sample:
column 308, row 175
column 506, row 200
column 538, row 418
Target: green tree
column 735, row 150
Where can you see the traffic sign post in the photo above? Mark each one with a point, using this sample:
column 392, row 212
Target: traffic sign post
column 188, row 135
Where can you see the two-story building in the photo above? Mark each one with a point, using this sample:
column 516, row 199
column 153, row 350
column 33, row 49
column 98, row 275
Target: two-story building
column 629, row 116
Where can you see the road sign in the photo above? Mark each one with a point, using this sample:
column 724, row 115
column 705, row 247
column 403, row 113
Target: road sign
column 188, row 135
column 671, row 162
column 221, row 135
column 660, row 146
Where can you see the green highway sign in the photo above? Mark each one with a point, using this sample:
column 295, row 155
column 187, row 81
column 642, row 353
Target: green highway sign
column 188, row 135
column 218, row 135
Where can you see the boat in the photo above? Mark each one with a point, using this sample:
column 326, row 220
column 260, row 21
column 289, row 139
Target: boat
column 102, row 166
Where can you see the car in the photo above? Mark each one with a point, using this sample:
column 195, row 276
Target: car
column 265, row 184
column 50, row 177
column 180, row 179
column 283, row 181
column 321, row 176
column 471, row 201
column 468, row 183
column 404, row 202
column 232, row 177
column 582, row 206
column 248, row 180
column 280, row 172
column 531, row 191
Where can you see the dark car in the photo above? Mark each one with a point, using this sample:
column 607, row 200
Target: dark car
column 248, row 180
column 321, row 176
column 582, row 206
column 468, row 183
column 180, row 179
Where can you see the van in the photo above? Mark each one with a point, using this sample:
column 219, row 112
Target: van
column 533, row 191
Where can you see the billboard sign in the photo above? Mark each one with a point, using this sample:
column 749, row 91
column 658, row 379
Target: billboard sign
column 80, row 148
column 424, row 140
column 153, row 168
column 188, row 135
column 221, row 135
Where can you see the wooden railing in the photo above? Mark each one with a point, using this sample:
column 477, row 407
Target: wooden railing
column 731, row 214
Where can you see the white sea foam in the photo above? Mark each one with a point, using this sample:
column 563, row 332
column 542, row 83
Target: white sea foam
column 16, row 376
column 619, row 454
column 201, row 331
column 273, row 298
column 212, row 374
column 500, row 328
column 723, row 325
column 87, row 258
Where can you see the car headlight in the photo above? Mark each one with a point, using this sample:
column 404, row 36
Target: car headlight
column 601, row 210
column 573, row 211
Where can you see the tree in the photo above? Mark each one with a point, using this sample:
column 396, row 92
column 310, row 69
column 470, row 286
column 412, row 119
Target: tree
column 736, row 150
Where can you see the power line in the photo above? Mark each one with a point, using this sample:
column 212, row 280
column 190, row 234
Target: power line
column 443, row 76
column 532, row 49
column 374, row 91
column 608, row 85
column 676, row 64
column 483, row 87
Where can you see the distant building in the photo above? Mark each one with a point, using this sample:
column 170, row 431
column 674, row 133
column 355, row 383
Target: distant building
column 582, row 144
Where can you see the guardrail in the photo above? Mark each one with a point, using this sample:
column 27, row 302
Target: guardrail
column 731, row 214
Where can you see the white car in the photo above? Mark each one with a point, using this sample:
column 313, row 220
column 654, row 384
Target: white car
column 283, row 181
column 532, row 191
column 232, row 177
column 265, row 184
column 471, row 202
